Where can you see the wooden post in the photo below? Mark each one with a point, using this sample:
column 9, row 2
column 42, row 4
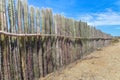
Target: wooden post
column 57, row 31
column 25, row 39
column 53, row 40
column 39, row 42
column 44, row 43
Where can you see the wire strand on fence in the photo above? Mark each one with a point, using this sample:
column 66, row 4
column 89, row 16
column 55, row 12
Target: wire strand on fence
column 48, row 35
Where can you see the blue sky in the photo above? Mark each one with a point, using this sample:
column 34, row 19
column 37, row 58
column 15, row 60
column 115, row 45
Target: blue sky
column 104, row 14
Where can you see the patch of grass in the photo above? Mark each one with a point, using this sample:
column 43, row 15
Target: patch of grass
column 115, row 40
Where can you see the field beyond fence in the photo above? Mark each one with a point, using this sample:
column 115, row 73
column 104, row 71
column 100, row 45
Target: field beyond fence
column 34, row 42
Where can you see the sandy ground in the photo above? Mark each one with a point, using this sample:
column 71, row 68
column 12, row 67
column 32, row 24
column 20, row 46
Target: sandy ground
column 99, row 65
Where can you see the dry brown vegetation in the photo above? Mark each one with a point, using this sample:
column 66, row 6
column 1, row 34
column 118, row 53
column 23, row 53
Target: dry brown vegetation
column 115, row 40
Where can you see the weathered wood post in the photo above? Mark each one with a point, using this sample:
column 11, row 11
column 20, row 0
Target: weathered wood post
column 44, row 39
column 39, row 41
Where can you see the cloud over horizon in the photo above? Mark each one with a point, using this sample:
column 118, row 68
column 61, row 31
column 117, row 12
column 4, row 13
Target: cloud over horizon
column 108, row 17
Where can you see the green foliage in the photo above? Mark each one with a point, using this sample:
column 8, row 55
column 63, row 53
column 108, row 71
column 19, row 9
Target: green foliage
column 19, row 15
column 11, row 14
column 25, row 16
column 38, row 20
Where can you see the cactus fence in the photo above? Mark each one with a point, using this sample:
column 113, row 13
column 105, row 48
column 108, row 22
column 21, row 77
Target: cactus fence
column 34, row 42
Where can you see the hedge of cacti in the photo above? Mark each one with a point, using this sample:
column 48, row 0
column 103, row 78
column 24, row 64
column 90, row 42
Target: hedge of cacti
column 34, row 42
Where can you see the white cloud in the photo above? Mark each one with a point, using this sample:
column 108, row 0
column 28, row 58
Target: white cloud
column 104, row 18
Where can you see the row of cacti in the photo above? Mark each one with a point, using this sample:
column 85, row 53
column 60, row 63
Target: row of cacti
column 32, row 57
column 25, row 19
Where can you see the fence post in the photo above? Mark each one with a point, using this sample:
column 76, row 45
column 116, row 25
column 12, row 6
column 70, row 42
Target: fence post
column 39, row 42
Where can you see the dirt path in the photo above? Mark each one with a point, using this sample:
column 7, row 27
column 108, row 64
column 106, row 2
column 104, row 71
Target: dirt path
column 100, row 65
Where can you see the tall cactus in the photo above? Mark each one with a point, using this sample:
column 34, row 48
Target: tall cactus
column 2, row 10
column 39, row 42
column 24, row 40
column 19, row 13
column 11, row 14
column 25, row 16
column 38, row 20
column 3, row 53
column 32, row 19
column 0, row 40
column 0, row 14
